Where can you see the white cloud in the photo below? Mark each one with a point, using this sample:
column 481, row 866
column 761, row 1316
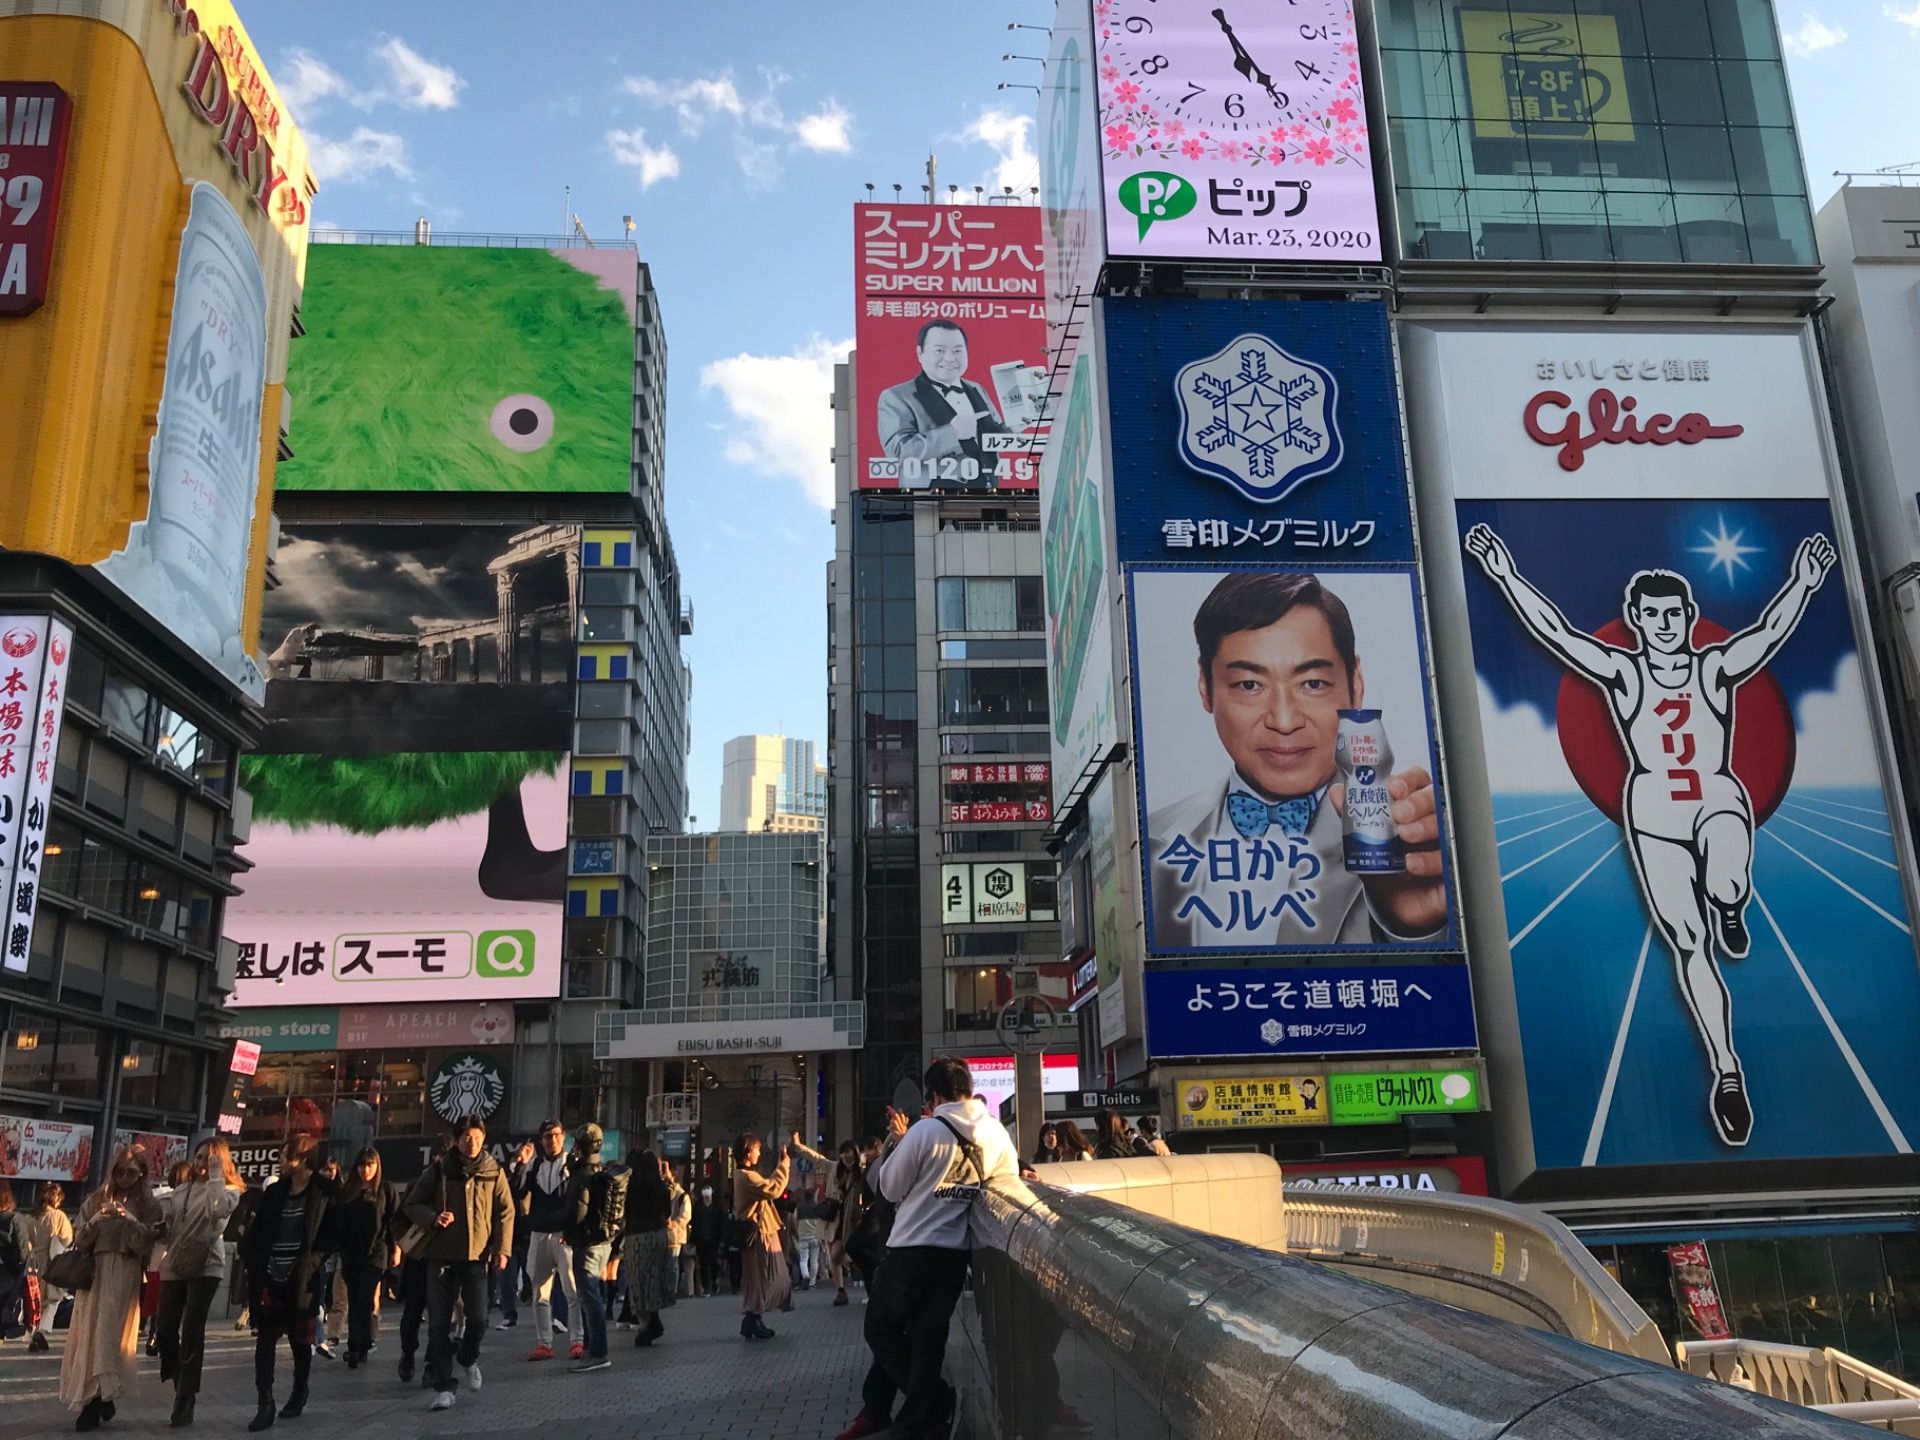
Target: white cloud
column 1909, row 17
column 1835, row 751
column 781, row 406
column 649, row 162
column 305, row 80
column 358, row 157
column 415, row 82
column 761, row 129
column 1531, row 761
column 828, row 128
column 1011, row 137
column 1812, row 35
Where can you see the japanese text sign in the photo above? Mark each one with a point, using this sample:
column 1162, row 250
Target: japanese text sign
column 1308, row 1011
column 1252, row 1102
column 1239, row 136
column 34, row 118
column 1262, row 431
column 951, row 330
column 34, row 652
column 1381, row 1098
column 246, row 1057
column 33, row 1149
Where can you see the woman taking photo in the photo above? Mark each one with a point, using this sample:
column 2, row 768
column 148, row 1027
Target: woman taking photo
column 367, row 1211
column 191, row 1270
column 764, row 1282
column 117, row 1227
column 643, row 1257
column 846, row 1201
column 51, row 1234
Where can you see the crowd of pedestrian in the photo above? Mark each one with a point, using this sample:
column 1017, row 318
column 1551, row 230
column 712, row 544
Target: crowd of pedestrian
column 314, row 1255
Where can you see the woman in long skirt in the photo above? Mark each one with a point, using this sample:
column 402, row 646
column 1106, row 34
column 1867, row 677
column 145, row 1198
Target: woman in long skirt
column 765, row 1284
column 643, row 1258
column 118, row 1224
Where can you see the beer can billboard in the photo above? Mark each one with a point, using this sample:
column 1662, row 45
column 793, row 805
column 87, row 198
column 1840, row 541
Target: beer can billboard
column 1706, row 924
column 147, row 447
column 951, row 332
column 1262, row 514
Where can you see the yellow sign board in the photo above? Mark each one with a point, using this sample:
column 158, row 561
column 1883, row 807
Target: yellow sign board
column 1253, row 1102
column 1546, row 75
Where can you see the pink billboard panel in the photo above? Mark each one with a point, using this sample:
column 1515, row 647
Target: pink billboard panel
column 951, row 332
column 463, row 907
column 1235, row 135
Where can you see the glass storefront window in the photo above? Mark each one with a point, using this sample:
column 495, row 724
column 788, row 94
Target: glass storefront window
column 1515, row 136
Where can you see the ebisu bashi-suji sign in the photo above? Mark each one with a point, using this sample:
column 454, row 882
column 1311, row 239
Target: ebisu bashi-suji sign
column 34, row 119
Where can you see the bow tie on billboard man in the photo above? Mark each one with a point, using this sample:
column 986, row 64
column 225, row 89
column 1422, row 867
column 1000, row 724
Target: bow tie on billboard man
column 1278, row 662
column 1688, row 817
column 940, row 414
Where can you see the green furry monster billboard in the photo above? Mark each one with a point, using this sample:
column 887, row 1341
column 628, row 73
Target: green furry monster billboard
column 459, row 371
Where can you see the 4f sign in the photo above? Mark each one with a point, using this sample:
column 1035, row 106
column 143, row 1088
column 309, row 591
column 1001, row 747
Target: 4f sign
column 1258, row 418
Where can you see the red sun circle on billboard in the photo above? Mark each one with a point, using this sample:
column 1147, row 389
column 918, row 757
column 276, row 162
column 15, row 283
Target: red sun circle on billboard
column 19, row 642
column 1763, row 735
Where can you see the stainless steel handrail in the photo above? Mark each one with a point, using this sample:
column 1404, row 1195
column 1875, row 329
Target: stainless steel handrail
column 1090, row 1318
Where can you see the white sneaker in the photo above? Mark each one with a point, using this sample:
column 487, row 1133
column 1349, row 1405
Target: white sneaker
column 559, row 1327
column 442, row 1400
column 473, row 1376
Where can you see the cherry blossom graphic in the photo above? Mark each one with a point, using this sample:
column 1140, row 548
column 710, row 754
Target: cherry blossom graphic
column 1126, row 92
column 1193, row 149
column 1320, row 150
column 1119, row 136
column 1344, row 110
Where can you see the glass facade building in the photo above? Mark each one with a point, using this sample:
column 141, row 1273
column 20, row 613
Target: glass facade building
column 1639, row 131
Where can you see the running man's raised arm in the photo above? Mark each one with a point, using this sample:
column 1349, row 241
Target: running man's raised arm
column 1753, row 649
column 1577, row 649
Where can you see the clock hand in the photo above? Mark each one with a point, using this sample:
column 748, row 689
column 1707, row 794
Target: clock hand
column 1245, row 64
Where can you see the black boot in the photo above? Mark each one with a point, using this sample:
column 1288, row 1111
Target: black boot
column 182, row 1411
column 748, row 1324
column 264, row 1416
column 90, row 1414
column 653, row 1331
column 296, row 1402
column 406, row 1368
column 107, row 1410
column 760, row 1331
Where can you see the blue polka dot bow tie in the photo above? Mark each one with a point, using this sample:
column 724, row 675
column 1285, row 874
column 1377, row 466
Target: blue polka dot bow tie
column 1253, row 818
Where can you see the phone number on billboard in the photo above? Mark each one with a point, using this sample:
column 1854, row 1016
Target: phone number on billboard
column 949, row 469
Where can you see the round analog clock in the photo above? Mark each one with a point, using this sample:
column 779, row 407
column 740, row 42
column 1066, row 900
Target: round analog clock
column 1243, row 65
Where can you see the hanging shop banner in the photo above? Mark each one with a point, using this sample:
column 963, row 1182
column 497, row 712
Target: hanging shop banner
column 34, row 652
column 1693, row 1278
column 1383, row 1097
column 44, row 1150
column 1235, row 136
column 951, row 330
column 1251, row 1103
column 1302, row 1011
column 1710, row 940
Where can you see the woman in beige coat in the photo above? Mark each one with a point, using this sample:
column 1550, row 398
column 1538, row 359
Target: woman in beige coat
column 50, row 1233
column 193, row 1267
column 764, row 1283
column 118, row 1225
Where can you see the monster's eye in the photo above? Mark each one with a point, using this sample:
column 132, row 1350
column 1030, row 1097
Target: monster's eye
column 522, row 422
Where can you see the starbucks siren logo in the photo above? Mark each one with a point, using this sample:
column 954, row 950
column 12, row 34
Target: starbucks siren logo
column 464, row 1085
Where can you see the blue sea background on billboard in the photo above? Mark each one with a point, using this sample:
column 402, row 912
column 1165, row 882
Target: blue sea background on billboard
column 1148, row 341
column 1826, row 1004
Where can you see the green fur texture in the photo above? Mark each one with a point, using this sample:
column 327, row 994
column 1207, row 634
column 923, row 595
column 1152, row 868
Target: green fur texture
column 373, row 793
column 409, row 348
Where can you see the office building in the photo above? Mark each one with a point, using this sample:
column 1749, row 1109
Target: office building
column 771, row 782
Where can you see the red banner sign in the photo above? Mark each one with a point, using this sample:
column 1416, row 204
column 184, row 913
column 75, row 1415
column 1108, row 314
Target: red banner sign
column 1693, row 1278
column 34, row 119
column 1000, row 812
column 951, row 326
column 1031, row 773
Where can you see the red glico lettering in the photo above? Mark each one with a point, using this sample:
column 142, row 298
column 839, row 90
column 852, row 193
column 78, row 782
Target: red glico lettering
column 1612, row 422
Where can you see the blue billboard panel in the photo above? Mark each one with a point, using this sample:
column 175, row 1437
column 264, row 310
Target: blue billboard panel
column 1308, row 1011
column 1256, row 432
column 1705, row 914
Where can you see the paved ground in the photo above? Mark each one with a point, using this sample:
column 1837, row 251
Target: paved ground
column 702, row 1382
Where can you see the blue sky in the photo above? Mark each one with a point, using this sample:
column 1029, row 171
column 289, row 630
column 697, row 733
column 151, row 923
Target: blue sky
column 738, row 133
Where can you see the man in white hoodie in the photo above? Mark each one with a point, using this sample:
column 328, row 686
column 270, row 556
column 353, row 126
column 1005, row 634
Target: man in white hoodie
column 934, row 1172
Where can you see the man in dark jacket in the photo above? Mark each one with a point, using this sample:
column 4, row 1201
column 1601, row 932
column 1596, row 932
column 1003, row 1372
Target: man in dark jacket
column 465, row 1203
column 709, row 1227
column 294, row 1229
column 543, row 1207
column 519, row 1178
column 597, row 1199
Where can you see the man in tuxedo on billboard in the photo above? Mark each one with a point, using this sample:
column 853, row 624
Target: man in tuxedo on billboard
column 939, row 416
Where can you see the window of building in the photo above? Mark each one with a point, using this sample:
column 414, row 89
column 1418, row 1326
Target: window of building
column 997, row 742
column 1011, row 695
column 1628, row 130
column 126, row 709
column 67, row 761
column 975, row 995
column 107, row 776
column 178, row 743
column 76, row 1062
column 86, row 677
column 83, row 962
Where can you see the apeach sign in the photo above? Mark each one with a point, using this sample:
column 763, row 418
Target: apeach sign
column 228, row 90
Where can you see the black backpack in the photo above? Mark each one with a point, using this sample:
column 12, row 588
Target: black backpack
column 13, row 1255
column 613, row 1202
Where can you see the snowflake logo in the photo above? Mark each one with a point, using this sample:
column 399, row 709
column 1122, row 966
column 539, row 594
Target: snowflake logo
column 1258, row 418
column 1273, row 1032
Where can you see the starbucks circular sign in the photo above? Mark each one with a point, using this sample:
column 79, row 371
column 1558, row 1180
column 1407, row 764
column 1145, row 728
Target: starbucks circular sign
column 469, row 1083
